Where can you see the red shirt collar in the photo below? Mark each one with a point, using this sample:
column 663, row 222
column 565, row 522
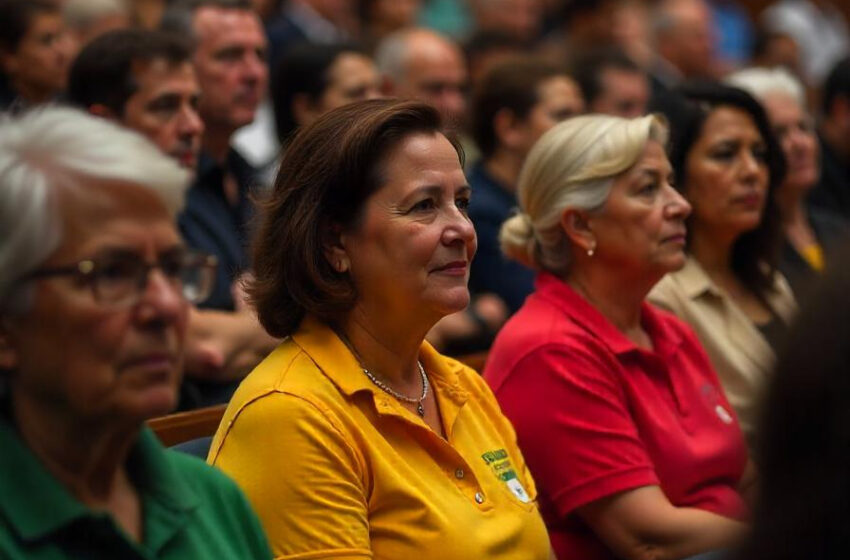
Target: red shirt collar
column 558, row 293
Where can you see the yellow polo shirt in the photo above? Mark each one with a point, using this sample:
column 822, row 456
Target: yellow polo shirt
column 336, row 468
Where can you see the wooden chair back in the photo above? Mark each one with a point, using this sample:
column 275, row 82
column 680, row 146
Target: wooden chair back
column 185, row 426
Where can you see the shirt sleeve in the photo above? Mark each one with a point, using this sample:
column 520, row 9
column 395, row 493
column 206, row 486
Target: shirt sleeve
column 302, row 476
column 574, row 426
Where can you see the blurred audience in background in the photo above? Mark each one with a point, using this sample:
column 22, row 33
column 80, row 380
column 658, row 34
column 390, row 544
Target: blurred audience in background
column 833, row 190
column 36, row 51
column 230, row 64
column 515, row 103
column 729, row 166
column 424, row 65
column 818, row 27
column 313, row 79
column 612, row 83
column 144, row 80
column 88, row 19
column 811, row 234
column 685, row 43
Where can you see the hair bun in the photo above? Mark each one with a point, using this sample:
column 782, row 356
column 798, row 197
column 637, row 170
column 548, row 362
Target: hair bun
column 517, row 239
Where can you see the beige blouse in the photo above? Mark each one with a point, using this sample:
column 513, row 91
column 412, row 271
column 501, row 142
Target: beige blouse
column 740, row 354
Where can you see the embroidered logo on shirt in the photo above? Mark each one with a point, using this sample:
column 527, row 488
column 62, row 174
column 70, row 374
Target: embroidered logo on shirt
column 500, row 464
column 712, row 398
column 723, row 414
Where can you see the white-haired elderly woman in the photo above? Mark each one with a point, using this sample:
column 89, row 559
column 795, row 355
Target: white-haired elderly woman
column 95, row 287
column 810, row 233
column 635, row 451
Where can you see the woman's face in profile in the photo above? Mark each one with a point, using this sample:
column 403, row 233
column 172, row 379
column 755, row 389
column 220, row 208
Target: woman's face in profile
column 410, row 252
column 641, row 227
column 726, row 175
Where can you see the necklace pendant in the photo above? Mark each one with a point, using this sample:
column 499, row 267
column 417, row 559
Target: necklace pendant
column 420, row 409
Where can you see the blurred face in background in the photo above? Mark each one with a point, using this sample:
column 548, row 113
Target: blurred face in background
column 559, row 98
column 435, row 72
column 726, row 174
column 623, row 93
column 38, row 68
column 352, row 77
column 230, row 62
column 796, row 134
column 165, row 109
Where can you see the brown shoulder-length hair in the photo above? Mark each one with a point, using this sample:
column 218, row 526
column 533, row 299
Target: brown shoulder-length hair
column 329, row 171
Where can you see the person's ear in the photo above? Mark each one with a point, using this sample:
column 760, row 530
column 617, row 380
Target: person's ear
column 8, row 355
column 508, row 129
column 576, row 226
column 333, row 247
column 101, row 110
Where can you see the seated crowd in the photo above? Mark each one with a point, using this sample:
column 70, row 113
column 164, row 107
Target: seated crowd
column 318, row 214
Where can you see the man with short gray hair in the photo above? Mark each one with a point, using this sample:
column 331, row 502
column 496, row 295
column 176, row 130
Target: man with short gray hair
column 684, row 42
column 422, row 64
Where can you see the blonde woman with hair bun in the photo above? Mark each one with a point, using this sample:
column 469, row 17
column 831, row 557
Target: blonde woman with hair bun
column 621, row 418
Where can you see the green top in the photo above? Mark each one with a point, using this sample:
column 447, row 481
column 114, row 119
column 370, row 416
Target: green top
column 190, row 510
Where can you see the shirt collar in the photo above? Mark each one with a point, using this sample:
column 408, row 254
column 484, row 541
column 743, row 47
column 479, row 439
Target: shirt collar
column 36, row 504
column 587, row 317
column 695, row 281
column 339, row 364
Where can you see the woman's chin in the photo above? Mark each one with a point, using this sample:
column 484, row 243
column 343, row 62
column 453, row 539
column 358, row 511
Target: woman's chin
column 453, row 301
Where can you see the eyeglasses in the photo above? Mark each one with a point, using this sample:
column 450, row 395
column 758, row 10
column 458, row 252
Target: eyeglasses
column 120, row 278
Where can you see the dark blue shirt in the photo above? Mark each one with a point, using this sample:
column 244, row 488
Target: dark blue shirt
column 211, row 224
column 491, row 271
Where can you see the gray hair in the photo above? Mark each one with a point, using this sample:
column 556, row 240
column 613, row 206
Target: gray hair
column 177, row 16
column 762, row 82
column 81, row 14
column 572, row 166
column 391, row 55
column 56, row 146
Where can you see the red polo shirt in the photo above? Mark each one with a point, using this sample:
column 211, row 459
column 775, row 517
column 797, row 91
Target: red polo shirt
column 596, row 415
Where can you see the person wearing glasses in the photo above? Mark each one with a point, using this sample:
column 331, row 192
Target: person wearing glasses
column 95, row 288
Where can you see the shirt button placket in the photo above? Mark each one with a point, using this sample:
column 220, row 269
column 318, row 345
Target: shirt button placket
column 479, row 498
column 459, row 474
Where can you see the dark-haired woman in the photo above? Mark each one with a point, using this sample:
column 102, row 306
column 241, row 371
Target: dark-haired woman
column 355, row 438
column 312, row 79
column 728, row 165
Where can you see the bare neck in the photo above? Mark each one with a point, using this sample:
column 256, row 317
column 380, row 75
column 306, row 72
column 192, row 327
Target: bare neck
column 616, row 295
column 389, row 352
column 87, row 458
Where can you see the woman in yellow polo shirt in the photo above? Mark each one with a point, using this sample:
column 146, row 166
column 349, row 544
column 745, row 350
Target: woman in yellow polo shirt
column 355, row 438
